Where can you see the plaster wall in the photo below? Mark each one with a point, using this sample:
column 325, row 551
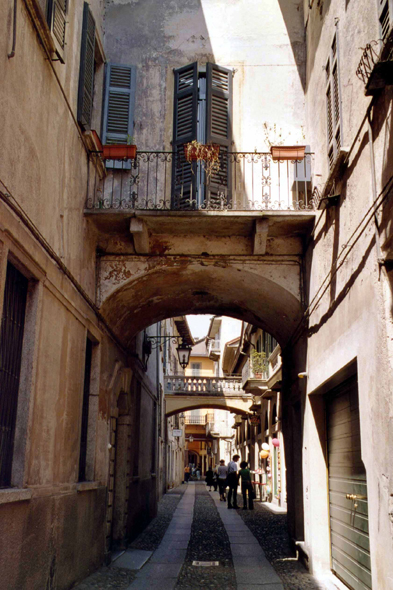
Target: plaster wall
column 348, row 316
column 207, row 366
column 45, row 165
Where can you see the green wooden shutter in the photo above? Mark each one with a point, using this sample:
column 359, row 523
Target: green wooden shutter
column 219, row 129
column 86, row 72
column 59, row 20
column 119, row 106
column 184, row 131
column 384, row 17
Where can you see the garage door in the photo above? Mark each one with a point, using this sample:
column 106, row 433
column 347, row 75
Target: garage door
column 347, row 489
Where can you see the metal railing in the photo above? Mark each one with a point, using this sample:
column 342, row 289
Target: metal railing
column 373, row 54
column 162, row 181
column 178, row 384
column 206, row 419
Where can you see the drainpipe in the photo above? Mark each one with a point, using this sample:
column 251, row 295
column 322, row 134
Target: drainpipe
column 374, row 187
column 14, row 31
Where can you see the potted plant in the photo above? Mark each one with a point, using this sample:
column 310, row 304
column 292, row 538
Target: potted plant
column 275, row 139
column 259, row 363
column 209, row 154
column 119, row 151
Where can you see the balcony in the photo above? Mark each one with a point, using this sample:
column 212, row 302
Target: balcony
column 199, row 420
column 247, row 181
column 251, row 382
column 375, row 68
column 171, row 198
column 203, row 386
column 262, row 384
column 214, row 350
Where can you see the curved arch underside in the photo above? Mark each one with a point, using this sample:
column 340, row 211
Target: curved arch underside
column 138, row 294
column 184, row 405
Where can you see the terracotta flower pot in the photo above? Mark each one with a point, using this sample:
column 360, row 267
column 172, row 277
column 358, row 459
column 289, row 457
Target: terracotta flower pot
column 288, row 152
column 119, row 152
column 204, row 152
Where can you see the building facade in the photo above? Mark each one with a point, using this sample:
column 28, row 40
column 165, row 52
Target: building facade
column 95, row 254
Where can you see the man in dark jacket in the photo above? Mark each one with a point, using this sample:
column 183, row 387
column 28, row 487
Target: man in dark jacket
column 233, row 481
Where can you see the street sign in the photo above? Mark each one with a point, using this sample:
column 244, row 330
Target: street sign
column 177, row 432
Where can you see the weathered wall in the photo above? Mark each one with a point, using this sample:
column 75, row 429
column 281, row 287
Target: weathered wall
column 349, row 318
column 269, row 68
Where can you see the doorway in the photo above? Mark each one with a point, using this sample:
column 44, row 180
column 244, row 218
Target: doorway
column 349, row 532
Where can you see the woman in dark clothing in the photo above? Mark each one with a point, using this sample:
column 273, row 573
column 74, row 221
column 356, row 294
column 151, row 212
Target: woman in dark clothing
column 245, row 474
column 209, row 478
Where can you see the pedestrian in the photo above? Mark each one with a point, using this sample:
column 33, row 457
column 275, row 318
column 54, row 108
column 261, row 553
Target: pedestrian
column 215, row 479
column 222, row 472
column 198, row 472
column 187, row 473
column 233, row 482
column 209, row 479
column 245, row 474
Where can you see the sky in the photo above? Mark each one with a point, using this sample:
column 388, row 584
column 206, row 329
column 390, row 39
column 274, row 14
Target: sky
column 199, row 325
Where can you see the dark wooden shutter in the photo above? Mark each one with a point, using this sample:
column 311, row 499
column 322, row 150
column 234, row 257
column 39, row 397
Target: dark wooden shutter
column 11, row 340
column 384, row 17
column 119, row 106
column 86, row 72
column 219, row 130
column 85, row 411
column 184, row 131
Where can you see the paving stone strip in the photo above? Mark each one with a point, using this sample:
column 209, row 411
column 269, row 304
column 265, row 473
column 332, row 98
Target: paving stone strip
column 163, row 568
column 253, row 571
column 208, row 542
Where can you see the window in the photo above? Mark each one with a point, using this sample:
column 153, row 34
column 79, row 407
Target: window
column 196, row 369
column 85, row 411
column 119, row 105
column 385, row 12
column 87, row 69
column 333, row 104
column 11, row 340
column 202, row 111
column 56, row 17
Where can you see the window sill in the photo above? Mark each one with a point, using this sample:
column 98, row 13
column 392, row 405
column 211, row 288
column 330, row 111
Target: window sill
column 86, row 486
column 15, row 495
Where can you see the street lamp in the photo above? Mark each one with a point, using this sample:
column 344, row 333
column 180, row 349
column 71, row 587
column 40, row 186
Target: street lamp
column 183, row 352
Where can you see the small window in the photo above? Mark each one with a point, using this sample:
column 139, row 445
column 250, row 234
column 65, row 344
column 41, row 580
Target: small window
column 11, row 340
column 196, row 369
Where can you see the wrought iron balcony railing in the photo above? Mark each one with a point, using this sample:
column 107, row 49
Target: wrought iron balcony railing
column 180, row 385
column 162, row 181
column 375, row 68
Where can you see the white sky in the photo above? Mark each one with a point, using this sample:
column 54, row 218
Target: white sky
column 199, row 324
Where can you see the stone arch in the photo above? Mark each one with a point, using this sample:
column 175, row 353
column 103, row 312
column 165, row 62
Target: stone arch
column 234, row 408
column 136, row 293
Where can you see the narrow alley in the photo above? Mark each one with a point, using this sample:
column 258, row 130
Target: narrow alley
column 245, row 550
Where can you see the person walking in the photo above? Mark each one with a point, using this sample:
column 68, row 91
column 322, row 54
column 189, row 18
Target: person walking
column 245, row 474
column 198, row 472
column 222, row 473
column 187, row 473
column 233, row 482
column 209, row 479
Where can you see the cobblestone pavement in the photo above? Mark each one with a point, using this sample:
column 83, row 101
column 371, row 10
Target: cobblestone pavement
column 271, row 531
column 107, row 578
column 209, row 542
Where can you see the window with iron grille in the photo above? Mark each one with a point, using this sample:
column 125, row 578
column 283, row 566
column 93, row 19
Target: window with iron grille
column 333, row 103
column 202, row 112
column 85, row 411
column 11, row 341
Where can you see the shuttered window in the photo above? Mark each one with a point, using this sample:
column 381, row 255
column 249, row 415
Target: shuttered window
column 333, row 104
column 11, row 340
column 385, row 10
column 85, row 411
column 86, row 72
column 203, row 111
column 119, row 105
column 57, row 20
